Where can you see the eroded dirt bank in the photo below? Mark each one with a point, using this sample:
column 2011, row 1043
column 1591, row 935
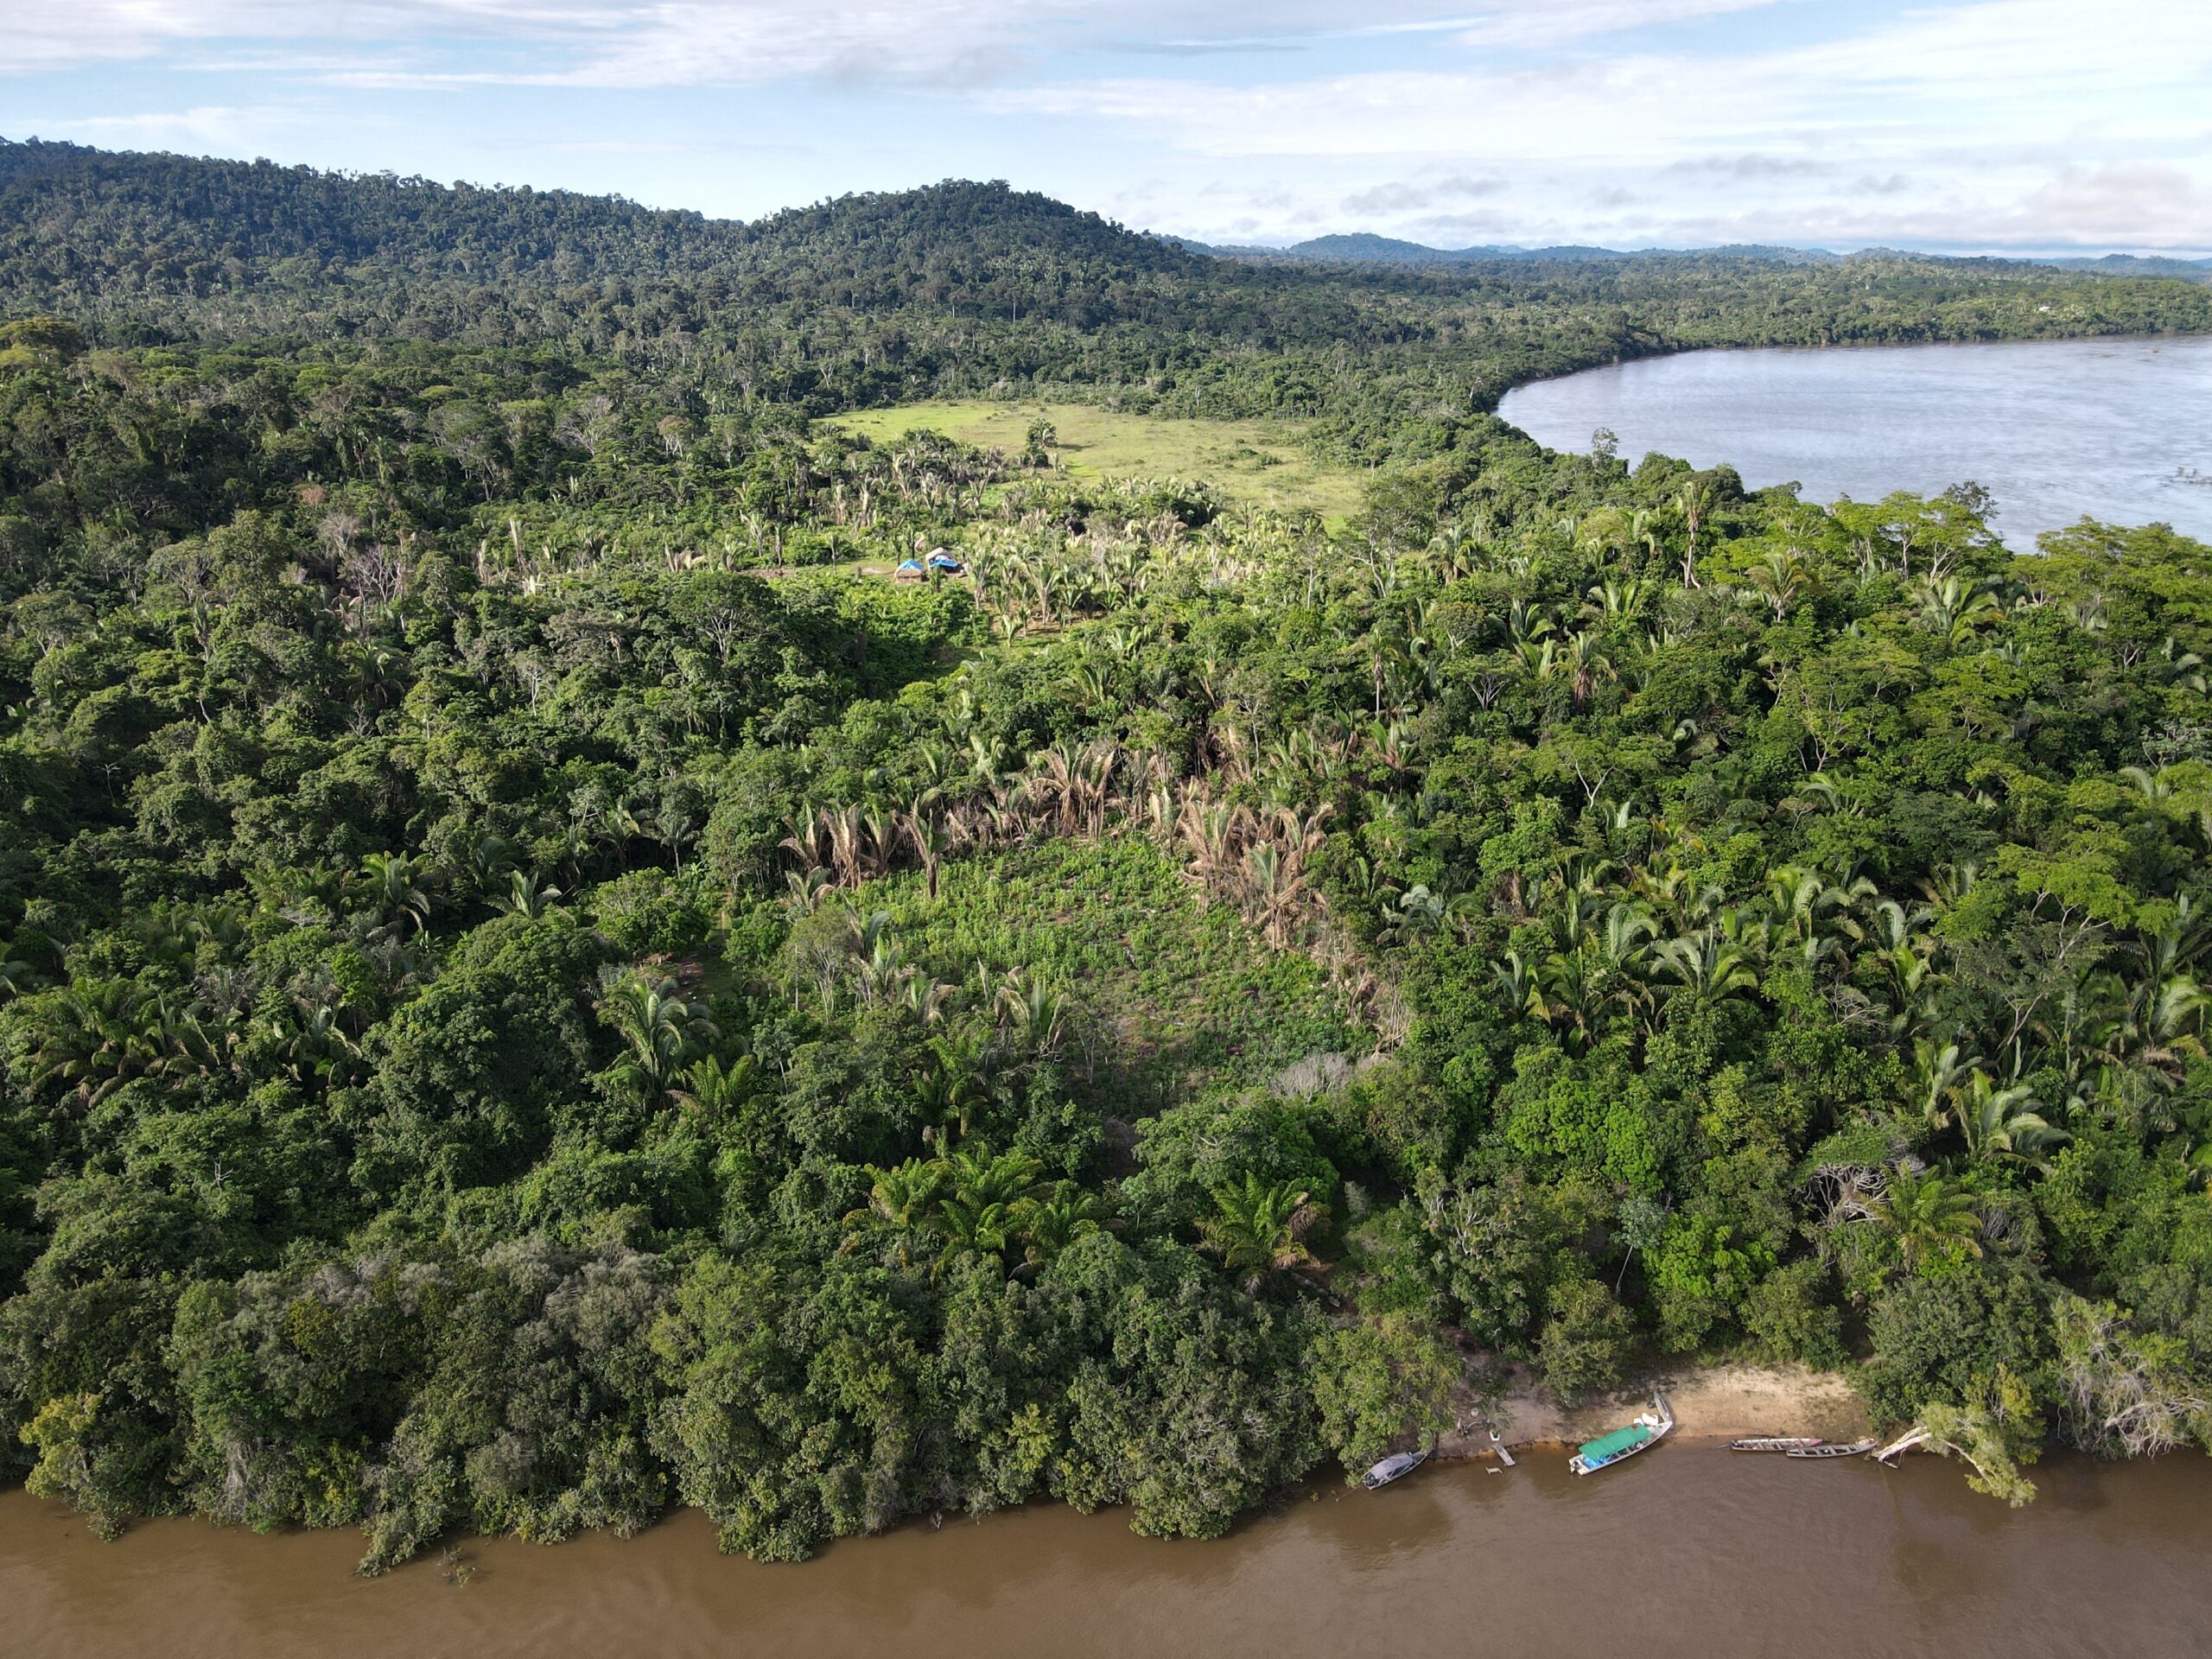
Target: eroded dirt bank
column 1710, row 1402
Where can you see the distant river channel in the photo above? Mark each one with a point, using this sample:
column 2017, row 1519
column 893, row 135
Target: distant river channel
column 1688, row 1551
column 2117, row 429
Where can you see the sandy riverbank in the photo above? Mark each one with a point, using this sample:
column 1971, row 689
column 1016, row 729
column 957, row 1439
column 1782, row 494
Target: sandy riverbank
column 1714, row 1402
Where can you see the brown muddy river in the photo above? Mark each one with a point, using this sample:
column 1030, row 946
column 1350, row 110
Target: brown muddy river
column 1688, row 1551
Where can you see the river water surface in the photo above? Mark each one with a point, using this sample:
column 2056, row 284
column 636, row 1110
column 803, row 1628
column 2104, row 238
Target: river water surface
column 1689, row 1551
column 2055, row 429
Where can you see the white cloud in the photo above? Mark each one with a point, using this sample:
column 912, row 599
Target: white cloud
column 709, row 42
column 1589, row 109
column 1408, row 195
column 2011, row 121
column 1751, row 165
column 210, row 126
column 1566, row 21
column 2114, row 202
column 2021, row 70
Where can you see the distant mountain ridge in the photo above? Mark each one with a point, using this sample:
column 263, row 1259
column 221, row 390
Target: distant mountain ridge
column 1366, row 248
column 2136, row 265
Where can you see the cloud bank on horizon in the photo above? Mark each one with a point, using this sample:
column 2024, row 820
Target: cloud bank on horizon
column 2029, row 125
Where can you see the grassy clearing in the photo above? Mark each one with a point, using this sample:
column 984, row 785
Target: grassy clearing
column 1178, row 998
column 1253, row 463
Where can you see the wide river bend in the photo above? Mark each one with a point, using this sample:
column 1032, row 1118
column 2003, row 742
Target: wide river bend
column 2118, row 429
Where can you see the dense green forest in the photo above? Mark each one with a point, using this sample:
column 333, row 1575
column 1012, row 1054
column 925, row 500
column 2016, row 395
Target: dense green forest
column 962, row 288
column 510, row 1019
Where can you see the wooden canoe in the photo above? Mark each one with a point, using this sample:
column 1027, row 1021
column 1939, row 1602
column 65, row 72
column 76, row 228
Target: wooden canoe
column 1850, row 1450
column 1776, row 1443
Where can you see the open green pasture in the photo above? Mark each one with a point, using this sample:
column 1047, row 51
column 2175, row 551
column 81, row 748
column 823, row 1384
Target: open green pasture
column 1252, row 463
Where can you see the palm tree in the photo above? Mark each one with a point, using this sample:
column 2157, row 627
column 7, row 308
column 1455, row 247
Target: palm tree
column 981, row 1179
column 804, row 890
column 715, row 1086
column 987, row 761
column 1692, row 502
column 1049, row 1225
column 1034, row 1010
column 1711, row 969
column 1515, row 982
column 1910, row 971
column 1956, row 610
column 1455, row 552
column 1629, row 926
column 1257, row 1227
column 2152, row 1028
column 94, row 1036
column 2004, row 1123
column 1943, row 1074
column 1783, row 578
column 484, row 857
column 932, row 842
column 1801, row 898
column 1568, row 996
column 1926, row 1212
column 953, row 1086
column 880, row 971
column 662, row 1029
column 671, row 823
column 904, row 1198
column 394, row 892
column 525, row 896
column 1525, row 624
column 1584, row 663
column 983, row 1228
column 1275, row 884
column 935, row 764
column 319, row 1047
column 846, row 831
column 1418, row 912
column 808, row 841
column 882, row 840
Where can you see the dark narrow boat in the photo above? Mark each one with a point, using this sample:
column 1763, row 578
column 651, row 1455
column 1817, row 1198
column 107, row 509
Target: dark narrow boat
column 1647, row 1431
column 1776, row 1443
column 1850, row 1450
column 1391, row 1468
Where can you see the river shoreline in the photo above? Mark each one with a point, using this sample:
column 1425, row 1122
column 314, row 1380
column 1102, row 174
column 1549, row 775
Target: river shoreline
column 1698, row 1552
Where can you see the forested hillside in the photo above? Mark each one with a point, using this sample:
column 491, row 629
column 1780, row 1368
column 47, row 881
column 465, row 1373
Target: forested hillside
column 512, row 1019
column 959, row 288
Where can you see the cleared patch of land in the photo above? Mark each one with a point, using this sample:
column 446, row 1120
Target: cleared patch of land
column 1251, row 463
column 1177, row 996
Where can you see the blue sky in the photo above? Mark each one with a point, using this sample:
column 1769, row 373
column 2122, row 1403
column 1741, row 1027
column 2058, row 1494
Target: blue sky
column 2028, row 124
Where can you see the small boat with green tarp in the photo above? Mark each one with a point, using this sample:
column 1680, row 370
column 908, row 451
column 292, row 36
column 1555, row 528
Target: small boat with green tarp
column 1648, row 1430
